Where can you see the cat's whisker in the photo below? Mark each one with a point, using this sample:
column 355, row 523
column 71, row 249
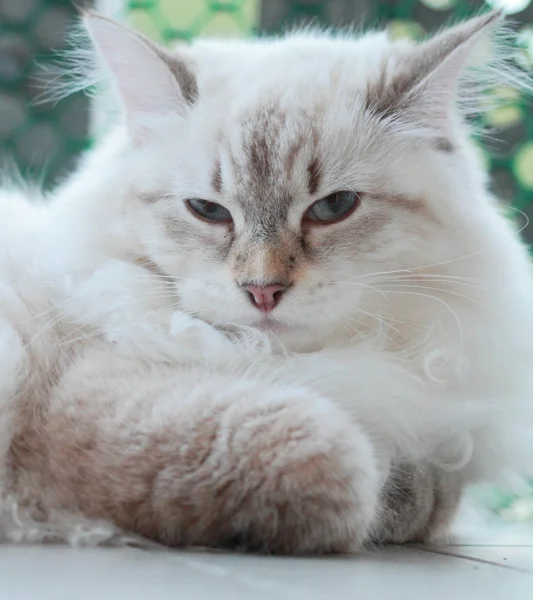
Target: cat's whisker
column 433, row 280
column 436, row 299
column 83, row 326
column 445, row 276
column 154, row 295
column 432, row 288
column 379, row 319
column 44, row 313
column 437, row 276
column 383, row 320
column 48, row 326
column 164, row 310
column 82, row 338
column 409, row 324
column 380, row 331
column 359, row 284
column 161, row 278
column 385, row 316
column 523, row 214
column 440, row 301
column 414, row 269
column 360, row 334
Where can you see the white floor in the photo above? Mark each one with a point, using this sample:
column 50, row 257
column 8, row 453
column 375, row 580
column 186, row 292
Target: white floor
column 492, row 568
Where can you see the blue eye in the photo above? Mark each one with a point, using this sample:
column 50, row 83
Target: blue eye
column 333, row 208
column 209, row 211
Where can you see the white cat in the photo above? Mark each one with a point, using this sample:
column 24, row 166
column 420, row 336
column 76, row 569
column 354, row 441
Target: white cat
column 276, row 309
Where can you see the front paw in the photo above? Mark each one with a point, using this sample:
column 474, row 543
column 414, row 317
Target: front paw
column 278, row 472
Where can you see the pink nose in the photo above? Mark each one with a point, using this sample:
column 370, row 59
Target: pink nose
column 265, row 298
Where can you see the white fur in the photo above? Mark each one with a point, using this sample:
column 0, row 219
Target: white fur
column 442, row 371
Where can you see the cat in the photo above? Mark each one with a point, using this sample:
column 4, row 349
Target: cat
column 276, row 308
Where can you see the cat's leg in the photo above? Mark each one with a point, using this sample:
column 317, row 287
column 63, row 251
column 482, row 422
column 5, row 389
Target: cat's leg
column 193, row 458
column 417, row 504
column 415, row 424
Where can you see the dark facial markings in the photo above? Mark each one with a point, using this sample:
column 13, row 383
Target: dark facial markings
column 216, row 178
column 292, row 155
column 184, row 76
column 187, row 81
column 412, row 205
column 272, row 146
column 313, row 172
column 150, row 265
column 274, row 150
column 260, row 161
column 262, row 145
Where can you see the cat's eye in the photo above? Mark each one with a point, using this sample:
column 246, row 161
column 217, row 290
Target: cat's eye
column 332, row 208
column 208, row 211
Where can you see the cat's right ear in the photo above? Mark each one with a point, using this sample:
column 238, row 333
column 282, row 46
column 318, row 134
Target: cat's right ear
column 150, row 82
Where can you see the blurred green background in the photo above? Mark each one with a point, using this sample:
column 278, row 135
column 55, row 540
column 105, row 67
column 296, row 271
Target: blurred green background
column 44, row 138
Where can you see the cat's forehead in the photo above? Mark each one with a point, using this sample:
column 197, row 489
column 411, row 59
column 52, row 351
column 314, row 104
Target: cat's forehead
column 300, row 59
column 279, row 113
column 271, row 105
column 274, row 143
column 269, row 158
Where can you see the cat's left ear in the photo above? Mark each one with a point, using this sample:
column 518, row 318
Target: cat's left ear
column 150, row 81
column 424, row 87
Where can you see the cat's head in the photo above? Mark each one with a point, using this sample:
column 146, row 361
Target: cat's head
column 276, row 182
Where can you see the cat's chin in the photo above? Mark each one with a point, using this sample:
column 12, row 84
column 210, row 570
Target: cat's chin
column 270, row 325
column 292, row 336
column 265, row 325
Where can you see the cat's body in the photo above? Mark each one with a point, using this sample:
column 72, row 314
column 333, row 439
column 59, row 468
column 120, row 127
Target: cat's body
column 343, row 379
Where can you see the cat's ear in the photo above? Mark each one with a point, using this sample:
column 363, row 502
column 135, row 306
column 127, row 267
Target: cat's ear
column 425, row 86
column 149, row 80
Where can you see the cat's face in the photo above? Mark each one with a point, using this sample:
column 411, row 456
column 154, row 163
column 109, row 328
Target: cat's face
column 286, row 191
column 292, row 211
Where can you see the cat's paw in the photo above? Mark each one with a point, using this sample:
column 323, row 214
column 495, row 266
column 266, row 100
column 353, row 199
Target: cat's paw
column 285, row 473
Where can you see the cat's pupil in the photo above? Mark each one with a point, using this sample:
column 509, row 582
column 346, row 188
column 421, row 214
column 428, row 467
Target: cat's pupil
column 335, row 204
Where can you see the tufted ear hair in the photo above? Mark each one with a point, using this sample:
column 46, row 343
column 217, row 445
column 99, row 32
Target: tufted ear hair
column 150, row 81
column 430, row 80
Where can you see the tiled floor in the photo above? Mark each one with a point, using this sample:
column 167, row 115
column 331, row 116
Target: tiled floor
column 473, row 569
